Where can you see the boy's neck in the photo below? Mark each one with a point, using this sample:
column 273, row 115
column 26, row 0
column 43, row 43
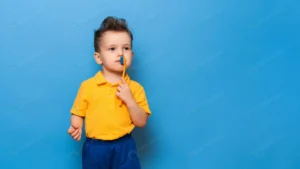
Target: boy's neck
column 112, row 77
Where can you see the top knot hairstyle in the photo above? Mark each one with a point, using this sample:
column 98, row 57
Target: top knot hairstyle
column 110, row 24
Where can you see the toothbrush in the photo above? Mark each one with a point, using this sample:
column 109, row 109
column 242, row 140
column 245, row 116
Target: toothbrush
column 123, row 62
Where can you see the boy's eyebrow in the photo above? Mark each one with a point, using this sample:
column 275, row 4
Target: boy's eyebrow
column 116, row 45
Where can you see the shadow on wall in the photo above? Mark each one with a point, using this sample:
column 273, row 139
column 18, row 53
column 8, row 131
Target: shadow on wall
column 144, row 137
column 146, row 149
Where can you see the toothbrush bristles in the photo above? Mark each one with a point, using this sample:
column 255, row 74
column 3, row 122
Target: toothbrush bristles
column 122, row 60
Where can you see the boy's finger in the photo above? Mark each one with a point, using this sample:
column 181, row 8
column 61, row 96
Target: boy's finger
column 79, row 137
column 76, row 137
column 123, row 81
column 75, row 133
column 80, row 133
column 119, row 88
column 75, row 127
column 71, row 130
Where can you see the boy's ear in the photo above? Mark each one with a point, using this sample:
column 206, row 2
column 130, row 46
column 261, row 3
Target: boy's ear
column 97, row 58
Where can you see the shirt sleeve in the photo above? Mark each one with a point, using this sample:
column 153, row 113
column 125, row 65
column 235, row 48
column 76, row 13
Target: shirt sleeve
column 81, row 101
column 141, row 99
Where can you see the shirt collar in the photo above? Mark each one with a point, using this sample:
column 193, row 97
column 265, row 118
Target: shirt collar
column 100, row 79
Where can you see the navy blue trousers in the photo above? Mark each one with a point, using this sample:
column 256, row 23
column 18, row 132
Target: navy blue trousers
column 116, row 154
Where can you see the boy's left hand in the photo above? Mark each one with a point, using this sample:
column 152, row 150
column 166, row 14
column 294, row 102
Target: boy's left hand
column 124, row 92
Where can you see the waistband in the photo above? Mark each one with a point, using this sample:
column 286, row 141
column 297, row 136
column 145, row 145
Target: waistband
column 88, row 139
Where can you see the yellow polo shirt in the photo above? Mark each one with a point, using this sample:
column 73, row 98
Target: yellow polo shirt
column 105, row 117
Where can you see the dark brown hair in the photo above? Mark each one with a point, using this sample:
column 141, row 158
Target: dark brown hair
column 110, row 24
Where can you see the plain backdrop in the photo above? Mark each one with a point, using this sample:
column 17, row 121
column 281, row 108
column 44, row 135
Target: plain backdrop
column 221, row 77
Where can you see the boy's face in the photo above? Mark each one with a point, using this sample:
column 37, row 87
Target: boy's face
column 113, row 45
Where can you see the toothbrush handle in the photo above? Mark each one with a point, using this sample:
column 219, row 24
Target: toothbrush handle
column 119, row 101
column 124, row 67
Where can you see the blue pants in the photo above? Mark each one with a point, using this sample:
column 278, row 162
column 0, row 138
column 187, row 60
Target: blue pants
column 116, row 154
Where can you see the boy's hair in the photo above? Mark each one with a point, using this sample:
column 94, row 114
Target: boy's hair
column 110, row 24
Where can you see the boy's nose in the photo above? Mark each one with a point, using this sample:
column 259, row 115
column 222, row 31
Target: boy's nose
column 120, row 53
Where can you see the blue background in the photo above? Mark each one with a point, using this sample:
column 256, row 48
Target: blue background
column 222, row 80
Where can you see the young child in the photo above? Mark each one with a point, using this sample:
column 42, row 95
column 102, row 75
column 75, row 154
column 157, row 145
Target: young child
column 108, row 104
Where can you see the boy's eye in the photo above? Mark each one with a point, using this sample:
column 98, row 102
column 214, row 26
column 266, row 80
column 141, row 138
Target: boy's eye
column 111, row 48
column 126, row 48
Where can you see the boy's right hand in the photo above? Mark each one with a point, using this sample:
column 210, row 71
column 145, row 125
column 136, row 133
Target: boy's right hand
column 75, row 132
column 75, row 129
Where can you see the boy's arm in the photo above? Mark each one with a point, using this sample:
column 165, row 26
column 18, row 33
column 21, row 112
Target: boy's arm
column 136, row 103
column 138, row 116
column 75, row 130
column 76, row 121
column 78, row 112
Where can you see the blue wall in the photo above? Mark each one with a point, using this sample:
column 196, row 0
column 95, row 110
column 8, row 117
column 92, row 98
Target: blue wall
column 222, row 80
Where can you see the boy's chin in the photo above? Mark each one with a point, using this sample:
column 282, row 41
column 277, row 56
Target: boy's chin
column 119, row 71
column 115, row 70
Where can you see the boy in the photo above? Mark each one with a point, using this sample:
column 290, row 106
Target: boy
column 110, row 105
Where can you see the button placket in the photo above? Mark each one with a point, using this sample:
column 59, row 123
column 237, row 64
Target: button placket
column 111, row 92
